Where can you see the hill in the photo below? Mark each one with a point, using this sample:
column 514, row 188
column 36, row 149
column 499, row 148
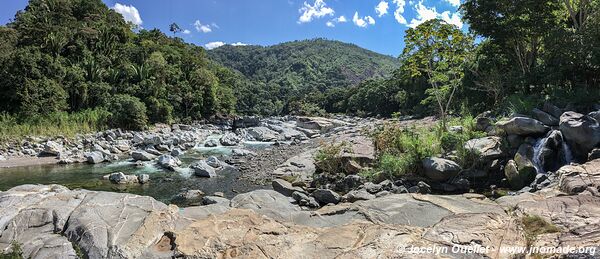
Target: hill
column 304, row 71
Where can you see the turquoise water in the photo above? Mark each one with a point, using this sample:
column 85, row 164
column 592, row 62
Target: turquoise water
column 163, row 184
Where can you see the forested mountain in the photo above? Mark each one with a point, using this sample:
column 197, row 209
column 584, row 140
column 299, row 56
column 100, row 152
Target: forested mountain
column 301, row 73
column 76, row 55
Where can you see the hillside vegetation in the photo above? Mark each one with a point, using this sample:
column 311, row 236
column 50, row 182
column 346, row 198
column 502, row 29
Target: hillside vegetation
column 300, row 73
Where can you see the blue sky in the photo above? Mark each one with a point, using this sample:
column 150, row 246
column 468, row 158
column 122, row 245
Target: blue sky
column 377, row 25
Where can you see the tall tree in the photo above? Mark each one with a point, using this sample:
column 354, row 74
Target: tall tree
column 439, row 51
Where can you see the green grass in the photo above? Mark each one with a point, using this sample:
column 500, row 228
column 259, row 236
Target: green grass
column 56, row 124
column 402, row 150
column 534, row 226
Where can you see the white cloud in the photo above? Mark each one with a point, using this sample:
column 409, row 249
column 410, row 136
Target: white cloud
column 239, row 44
column 382, row 8
column 317, row 10
column 370, row 20
column 341, row 19
column 202, row 27
column 331, row 23
column 214, row 45
column 362, row 21
column 398, row 14
column 455, row 3
column 186, row 31
column 425, row 13
column 452, row 18
column 129, row 12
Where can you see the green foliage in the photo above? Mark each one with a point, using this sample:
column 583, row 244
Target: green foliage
column 16, row 252
column 396, row 166
column 73, row 55
column 305, row 109
column 59, row 123
column 328, row 158
column 127, row 112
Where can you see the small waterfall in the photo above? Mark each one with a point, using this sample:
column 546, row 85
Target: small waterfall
column 566, row 152
column 537, row 154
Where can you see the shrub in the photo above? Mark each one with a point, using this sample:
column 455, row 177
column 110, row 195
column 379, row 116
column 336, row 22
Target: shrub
column 328, row 158
column 15, row 253
column 395, row 166
column 127, row 112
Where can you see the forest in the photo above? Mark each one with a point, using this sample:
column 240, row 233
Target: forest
column 77, row 61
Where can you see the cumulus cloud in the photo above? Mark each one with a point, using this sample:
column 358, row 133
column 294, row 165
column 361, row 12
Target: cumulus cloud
column 317, row 10
column 362, row 21
column 214, row 44
column 425, row 13
column 382, row 8
column 239, row 44
column 186, row 31
column 333, row 22
column 205, row 28
column 398, row 13
column 455, row 3
column 129, row 12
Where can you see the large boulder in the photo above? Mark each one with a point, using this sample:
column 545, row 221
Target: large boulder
column 263, row 134
column 487, row 148
column 284, row 187
column 439, row 169
column 326, row 196
column 230, row 139
column 246, row 122
column 51, row 148
column 169, row 162
column 574, row 179
column 522, row 126
column 581, row 132
column 202, row 169
column 121, row 178
column 142, row 156
column 545, row 118
column 521, row 171
column 315, row 123
column 95, row 157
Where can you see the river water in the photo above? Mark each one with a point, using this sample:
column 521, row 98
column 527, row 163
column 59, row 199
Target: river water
column 163, row 184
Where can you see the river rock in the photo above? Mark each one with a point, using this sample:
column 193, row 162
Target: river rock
column 518, row 179
column 357, row 195
column 202, row 169
column 51, row 148
column 209, row 200
column 487, row 148
column 176, row 152
column 121, row 178
column 522, row 126
column 484, row 121
column 143, row 178
column 142, row 156
column 581, row 132
column 284, row 187
column 242, row 152
column 545, row 118
column 595, row 115
column 439, row 169
column 266, row 202
column 263, row 134
column 188, row 197
column 246, row 122
column 95, row 157
column 211, row 143
column 214, row 162
column 326, row 196
column 230, row 139
column 574, row 179
column 168, row 162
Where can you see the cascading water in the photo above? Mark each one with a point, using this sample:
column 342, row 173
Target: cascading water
column 542, row 146
column 537, row 154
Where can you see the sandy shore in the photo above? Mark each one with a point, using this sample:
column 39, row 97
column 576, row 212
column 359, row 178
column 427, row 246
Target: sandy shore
column 27, row 161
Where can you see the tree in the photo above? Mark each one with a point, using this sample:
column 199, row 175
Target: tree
column 439, row 51
column 174, row 28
